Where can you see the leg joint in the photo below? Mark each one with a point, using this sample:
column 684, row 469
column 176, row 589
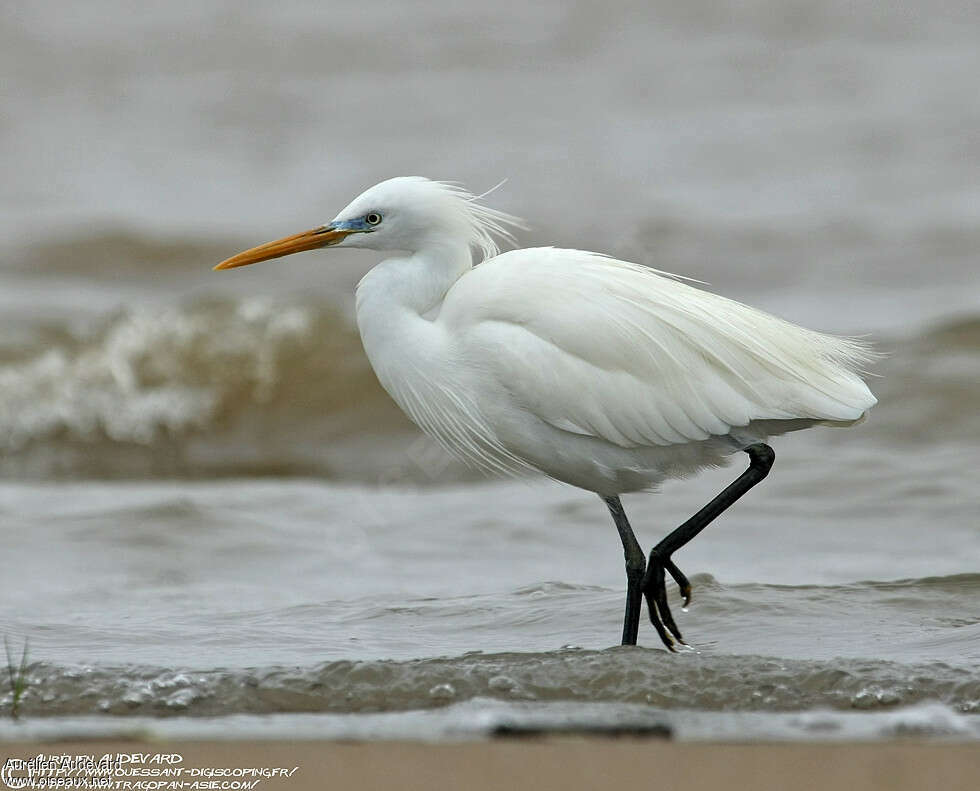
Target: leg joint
column 636, row 566
column 658, row 555
column 762, row 457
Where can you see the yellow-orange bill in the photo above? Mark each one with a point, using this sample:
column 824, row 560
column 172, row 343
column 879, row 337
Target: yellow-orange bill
column 297, row 243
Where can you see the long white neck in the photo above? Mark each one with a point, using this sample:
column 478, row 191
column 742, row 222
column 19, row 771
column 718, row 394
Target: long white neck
column 398, row 300
column 416, row 283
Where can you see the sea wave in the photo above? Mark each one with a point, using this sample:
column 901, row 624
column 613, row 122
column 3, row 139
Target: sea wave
column 216, row 387
column 266, row 386
column 621, row 675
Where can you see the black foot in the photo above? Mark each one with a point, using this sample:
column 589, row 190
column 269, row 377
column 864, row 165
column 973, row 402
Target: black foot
column 655, row 590
column 761, row 457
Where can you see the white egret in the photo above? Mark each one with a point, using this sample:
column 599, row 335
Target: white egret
column 606, row 375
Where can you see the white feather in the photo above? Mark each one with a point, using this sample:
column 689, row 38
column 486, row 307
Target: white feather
column 598, row 372
column 609, row 349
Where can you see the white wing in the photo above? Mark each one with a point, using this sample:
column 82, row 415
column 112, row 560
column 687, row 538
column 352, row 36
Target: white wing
column 613, row 350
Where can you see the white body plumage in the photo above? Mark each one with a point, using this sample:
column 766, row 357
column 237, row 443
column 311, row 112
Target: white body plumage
column 603, row 374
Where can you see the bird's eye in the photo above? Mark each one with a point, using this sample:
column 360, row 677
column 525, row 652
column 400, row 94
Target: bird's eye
column 373, row 218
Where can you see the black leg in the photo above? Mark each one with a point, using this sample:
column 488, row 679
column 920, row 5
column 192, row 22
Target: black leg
column 761, row 457
column 636, row 564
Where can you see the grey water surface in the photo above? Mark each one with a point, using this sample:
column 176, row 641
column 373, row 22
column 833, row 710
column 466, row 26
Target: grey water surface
column 214, row 523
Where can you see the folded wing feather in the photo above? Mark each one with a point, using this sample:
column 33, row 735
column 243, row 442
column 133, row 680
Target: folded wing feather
column 613, row 350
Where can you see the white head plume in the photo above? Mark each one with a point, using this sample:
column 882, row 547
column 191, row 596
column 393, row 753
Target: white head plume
column 416, row 211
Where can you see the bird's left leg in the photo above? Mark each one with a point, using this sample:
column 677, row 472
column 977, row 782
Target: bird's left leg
column 761, row 459
column 636, row 564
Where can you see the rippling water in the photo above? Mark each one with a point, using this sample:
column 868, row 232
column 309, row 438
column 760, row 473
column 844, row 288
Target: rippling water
column 209, row 509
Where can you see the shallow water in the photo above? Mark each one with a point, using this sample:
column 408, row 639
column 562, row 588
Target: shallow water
column 209, row 509
column 273, row 595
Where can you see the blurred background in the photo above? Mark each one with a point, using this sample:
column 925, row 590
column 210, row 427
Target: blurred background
column 819, row 160
column 201, row 470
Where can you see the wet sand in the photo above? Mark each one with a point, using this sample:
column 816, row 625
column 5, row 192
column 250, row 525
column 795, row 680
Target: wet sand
column 564, row 763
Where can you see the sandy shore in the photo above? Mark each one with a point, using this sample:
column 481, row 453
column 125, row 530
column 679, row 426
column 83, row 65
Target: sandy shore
column 543, row 765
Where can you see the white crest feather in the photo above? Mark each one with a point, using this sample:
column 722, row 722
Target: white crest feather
column 487, row 225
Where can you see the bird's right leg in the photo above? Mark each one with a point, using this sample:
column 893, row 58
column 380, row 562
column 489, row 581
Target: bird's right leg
column 761, row 458
column 635, row 569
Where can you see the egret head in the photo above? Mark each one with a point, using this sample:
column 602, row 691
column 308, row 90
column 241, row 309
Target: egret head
column 407, row 213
